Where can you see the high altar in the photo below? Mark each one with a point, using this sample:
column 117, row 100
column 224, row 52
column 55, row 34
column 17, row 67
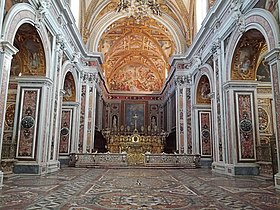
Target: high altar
column 135, row 143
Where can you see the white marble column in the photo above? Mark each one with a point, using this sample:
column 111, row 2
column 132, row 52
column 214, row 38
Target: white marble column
column 7, row 51
column 2, row 11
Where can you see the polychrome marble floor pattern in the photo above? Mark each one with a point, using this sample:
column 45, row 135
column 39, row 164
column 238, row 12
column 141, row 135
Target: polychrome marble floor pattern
column 102, row 189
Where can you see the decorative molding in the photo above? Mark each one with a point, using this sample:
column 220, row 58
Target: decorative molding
column 41, row 12
column 237, row 15
column 90, row 77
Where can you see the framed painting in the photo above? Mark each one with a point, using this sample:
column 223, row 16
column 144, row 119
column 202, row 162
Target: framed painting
column 134, row 115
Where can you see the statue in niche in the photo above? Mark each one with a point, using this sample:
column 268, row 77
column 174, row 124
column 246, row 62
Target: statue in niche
column 114, row 122
column 153, row 123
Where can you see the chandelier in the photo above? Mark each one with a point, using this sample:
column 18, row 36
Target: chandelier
column 139, row 9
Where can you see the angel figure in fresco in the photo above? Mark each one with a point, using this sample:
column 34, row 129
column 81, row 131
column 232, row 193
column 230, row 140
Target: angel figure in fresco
column 205, row 90
column 68, row 88
column 245, row 65
column 166, row 47
column 34, row 60
column 105, row 47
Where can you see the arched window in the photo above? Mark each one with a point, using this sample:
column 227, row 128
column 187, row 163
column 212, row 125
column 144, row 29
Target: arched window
column 201, row 8
column 75, row 9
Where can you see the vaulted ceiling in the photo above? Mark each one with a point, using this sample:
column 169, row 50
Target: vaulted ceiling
column 136, row 54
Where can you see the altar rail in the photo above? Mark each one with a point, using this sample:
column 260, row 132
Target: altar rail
column 172, row 160
column 98, row 159
column 121, row 160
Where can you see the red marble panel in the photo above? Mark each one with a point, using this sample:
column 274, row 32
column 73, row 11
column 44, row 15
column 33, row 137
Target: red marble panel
column 65, row 131
column 276, row 98
column 28, row 123
column 205, row 133
column 82, row 118
column 246, row 143
column 189, row 123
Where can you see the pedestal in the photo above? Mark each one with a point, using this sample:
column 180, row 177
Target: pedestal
column 250, row 169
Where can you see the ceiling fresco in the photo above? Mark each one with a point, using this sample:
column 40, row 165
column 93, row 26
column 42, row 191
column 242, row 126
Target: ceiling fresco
column 136, row 55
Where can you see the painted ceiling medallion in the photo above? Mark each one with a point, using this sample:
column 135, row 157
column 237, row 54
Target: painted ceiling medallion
column 139, row 9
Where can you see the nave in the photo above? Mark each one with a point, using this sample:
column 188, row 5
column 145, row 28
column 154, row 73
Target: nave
column 138, row 188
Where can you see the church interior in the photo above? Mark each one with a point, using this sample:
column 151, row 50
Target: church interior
column 139, row 104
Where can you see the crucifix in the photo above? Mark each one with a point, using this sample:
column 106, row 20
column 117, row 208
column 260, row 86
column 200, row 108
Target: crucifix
column 135, row 116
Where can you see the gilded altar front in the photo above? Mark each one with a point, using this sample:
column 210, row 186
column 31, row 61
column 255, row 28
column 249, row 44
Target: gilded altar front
column 135, row 146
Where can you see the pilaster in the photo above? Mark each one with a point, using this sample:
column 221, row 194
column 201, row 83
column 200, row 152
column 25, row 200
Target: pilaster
column 7, row 51
column 273, row 59
column 183, row 114
column 89, row 93
column 218, row 140
column 56, row 95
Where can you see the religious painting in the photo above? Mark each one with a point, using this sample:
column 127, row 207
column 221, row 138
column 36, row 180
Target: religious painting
column 69, row 88
column 136, row 60
column 31, row 52
column 203, row 91
column 135, row 78
column 134, row 115
column 246, row 55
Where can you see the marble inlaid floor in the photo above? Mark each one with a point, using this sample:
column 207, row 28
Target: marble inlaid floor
column 82, row 189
